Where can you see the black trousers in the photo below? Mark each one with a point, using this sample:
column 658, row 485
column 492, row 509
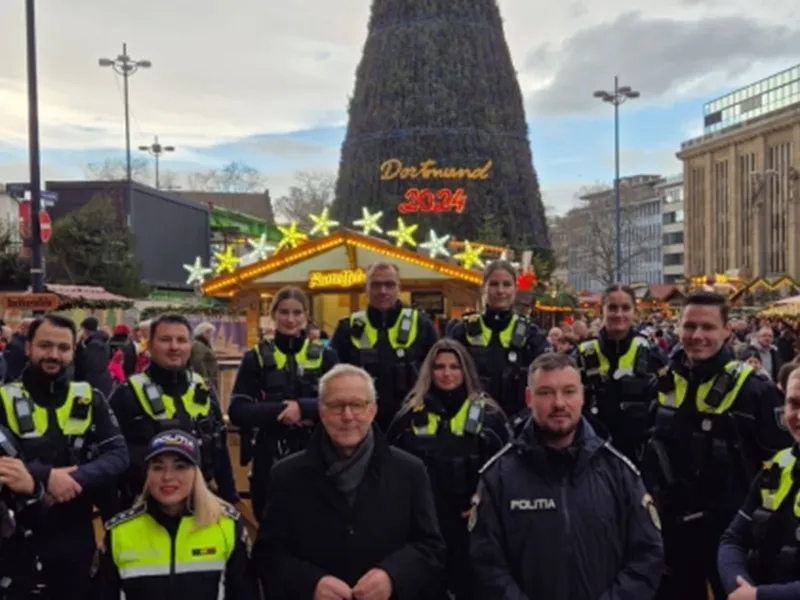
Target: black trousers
column 691, row 558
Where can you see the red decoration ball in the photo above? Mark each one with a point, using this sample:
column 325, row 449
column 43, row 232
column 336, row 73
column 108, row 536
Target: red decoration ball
column 526, row 281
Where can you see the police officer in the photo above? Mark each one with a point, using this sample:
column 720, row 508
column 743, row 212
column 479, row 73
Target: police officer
column 619, row 371
column 388, row 340
column 451, row 425
column 275, row 393
column 716, row 420
column 559, row 512
column 73, row 448
column 759, row 555
column 502, row 342
column 167, row 395
column 19, row 492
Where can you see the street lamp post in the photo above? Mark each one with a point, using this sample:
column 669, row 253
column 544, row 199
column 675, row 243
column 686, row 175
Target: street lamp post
column 156, row 149
column 37, row 263
column 125, row 66
column 616, row 97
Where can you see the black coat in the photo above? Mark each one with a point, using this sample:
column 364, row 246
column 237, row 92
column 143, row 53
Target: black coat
column 309, row 531
column 567, row 525
column 16, row 357
column 91, row 362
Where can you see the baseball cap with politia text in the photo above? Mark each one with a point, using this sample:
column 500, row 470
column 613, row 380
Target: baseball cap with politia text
column 177, row 442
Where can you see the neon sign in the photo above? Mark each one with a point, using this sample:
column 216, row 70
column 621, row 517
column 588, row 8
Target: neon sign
column 427, row 200
column 394, row 168
column 344, row 278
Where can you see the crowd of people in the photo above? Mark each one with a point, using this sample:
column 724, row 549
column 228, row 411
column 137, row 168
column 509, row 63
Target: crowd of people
column 618, row 459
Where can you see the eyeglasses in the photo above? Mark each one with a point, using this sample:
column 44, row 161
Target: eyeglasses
column 356, row 408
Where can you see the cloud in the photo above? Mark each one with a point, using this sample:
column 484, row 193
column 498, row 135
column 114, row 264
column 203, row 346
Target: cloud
column 663, row 58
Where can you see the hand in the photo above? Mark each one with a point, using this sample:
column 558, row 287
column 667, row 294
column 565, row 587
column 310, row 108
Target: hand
column 290, row 415
column 374, row 585
column 62, row 486
column 745, row 591
column 15, row 475
column 331, row 588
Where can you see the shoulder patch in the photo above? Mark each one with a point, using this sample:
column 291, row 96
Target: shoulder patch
column 493, row 459
column 628, row 462
column 125, row 515
column 231, row 512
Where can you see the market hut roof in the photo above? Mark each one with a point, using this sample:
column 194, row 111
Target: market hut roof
column 343, row 250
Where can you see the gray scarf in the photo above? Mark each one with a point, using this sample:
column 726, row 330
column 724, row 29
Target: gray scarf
column 348, row 473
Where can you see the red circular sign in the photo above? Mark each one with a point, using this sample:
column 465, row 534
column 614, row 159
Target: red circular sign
column 45, row 225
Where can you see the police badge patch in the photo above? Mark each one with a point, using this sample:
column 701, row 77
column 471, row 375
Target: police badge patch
column 473, row 512
column 780, row 418
column 650, row 506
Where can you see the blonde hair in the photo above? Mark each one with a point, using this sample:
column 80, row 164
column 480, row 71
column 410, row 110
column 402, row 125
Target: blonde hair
column 472, row 383
column 344, row 370
column 206, row 507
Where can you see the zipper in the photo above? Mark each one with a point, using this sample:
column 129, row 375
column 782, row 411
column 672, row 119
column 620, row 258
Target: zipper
column 172, row 549
column 565, row 507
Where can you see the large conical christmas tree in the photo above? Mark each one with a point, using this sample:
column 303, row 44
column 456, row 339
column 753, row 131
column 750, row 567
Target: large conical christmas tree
column 437, row 131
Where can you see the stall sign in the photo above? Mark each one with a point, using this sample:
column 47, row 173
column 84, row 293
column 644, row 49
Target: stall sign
column 341, row 278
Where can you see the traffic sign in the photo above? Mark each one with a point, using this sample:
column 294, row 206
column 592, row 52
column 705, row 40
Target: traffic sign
column 45, row 225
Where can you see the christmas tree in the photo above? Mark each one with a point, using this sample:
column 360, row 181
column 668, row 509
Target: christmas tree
column 437, row 131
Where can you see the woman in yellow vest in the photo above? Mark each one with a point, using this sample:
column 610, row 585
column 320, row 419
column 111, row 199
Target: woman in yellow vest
column 274, row 399
column 179, row 540
column 454, row 427
column 759, row 554
column 502, row 342
column 619, row 369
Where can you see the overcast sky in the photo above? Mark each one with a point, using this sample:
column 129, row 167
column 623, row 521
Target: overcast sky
column 267, row 82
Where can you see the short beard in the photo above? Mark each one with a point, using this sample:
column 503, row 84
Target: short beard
column 554, row 435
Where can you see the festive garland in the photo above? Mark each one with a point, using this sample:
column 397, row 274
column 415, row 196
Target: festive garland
column 86, row 304
column 211, row 311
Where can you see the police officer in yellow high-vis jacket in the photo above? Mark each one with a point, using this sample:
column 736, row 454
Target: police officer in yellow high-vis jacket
column 454, row 428
column 716, row 420
column 619, row 372
column 274, row 399
column 72, row 446
column 167, row 395
column 388, row 340
column 179, row 540
column 502, row 342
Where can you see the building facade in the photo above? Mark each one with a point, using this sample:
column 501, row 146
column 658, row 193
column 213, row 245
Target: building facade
column 742, row 188
column 592, row 239
column 672, row 223
column 559, row 238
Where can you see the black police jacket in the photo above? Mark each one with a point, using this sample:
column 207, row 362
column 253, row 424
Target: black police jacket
column 138, row 429
column 309, row 530
column 572, row 524
column 758, row 432
column 503, row 379
column 738, row 546
column 392, row 382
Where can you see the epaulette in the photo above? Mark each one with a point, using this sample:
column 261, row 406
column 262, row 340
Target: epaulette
column 494, row 458
column 471, row 318
column 628, row 462
column 125, row 515
column 231, row 512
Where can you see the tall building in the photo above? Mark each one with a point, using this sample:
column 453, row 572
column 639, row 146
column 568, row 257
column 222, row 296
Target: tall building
column 559, row 237
column 672, row 222
column 592, row 239
column 742, row 182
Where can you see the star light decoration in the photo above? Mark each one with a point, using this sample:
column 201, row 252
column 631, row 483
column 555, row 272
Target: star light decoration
column 322, row 223
column 260, row 248
column 470, row 257
column 197, row 272
column 226, row 261
column 290, row 236
column 514, row 265
column 404, row 234
column 369, row 222
column 436, row 246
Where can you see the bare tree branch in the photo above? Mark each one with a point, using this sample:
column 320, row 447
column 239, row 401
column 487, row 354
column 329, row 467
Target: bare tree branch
column 114, row 169
column 234, row 177
column 309, row 196
column 592, row 232
column 168, row 180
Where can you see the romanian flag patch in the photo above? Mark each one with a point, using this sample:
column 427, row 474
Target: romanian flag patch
column 203, row 551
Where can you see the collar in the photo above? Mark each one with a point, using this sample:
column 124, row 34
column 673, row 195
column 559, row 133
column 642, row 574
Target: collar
column 702, row 371
column 558, row 462
column 43, row 389
column 172, row 382
column 445, row 403
column 314, row 456
column 384, row 319
column 497, row 320
column 289, row 344
column 168, row 522
column 618, row 347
